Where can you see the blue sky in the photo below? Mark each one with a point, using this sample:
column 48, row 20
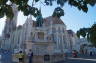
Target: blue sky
column 73, row 18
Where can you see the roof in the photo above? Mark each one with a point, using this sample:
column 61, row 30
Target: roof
column 70, row 31
column 52, row 20
column 49, row 20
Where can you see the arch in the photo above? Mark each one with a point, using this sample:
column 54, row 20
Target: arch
column 40, row 35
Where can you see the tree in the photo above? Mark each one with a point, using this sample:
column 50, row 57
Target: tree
column 6, row 9
column 89, row 33
column 58, row 12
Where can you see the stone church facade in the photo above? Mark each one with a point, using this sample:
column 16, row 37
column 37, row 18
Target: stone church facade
column 51, row 38
column 48, row 42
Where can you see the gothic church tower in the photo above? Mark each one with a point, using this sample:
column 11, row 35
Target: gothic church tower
column 10, row 24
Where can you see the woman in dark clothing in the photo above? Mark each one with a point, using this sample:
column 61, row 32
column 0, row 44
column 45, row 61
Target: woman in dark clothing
column 91, row 53
column 30, row 56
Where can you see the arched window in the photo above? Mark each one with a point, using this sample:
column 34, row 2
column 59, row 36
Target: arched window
column 49, row 38
column 7, row 35
column 59, row 29
column 40, row 35
column 63, row 30
column 53, row 29
column 32, row 36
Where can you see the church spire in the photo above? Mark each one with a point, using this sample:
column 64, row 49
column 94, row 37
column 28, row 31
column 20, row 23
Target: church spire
column 10, row 24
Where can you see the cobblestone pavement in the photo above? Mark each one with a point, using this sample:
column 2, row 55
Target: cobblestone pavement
column 80, row 59
column 7, row 58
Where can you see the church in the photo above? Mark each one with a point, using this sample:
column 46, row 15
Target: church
column 47, row 37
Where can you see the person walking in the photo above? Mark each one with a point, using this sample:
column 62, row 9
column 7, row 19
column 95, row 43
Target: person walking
column 65, row 56
column 74, row 53
column 21, row 57
column 91, row 53
column 30, row 54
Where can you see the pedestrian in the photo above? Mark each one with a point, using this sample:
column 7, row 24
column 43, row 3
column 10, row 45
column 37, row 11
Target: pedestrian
column 30, row 54
column 65, row 56
column 91, row 53
column 21, row 57
column 74, row 53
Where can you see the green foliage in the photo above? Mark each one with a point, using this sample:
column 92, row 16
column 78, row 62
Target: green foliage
column 81, row 32
column 80, row 4
column 27, row 9
column 20, row 2
column 3, row 2
column 61, row 2
column 78, row 34
column 9, row 12
column 49, row 2
column 2, row 12
column 93, row 34
column 58, row 12
column 89, row 33
column 36, row 0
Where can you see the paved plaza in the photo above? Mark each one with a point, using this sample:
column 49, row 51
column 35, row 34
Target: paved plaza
column 80, row 59
column 7, row 58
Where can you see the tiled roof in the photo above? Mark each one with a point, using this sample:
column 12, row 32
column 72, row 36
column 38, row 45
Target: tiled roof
column 70, row 31
column 55, row 20
column 50, row 20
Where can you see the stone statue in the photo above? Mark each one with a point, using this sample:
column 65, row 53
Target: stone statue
column 39, row 19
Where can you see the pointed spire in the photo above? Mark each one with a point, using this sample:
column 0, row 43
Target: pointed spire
column 10, row 24
column 40, row 10
column 30, row 17
column 27, row 19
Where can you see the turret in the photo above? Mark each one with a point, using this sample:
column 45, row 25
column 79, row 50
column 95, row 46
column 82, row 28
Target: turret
column 10, row 24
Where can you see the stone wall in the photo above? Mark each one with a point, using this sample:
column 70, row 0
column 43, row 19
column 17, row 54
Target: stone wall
column 47, row 59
